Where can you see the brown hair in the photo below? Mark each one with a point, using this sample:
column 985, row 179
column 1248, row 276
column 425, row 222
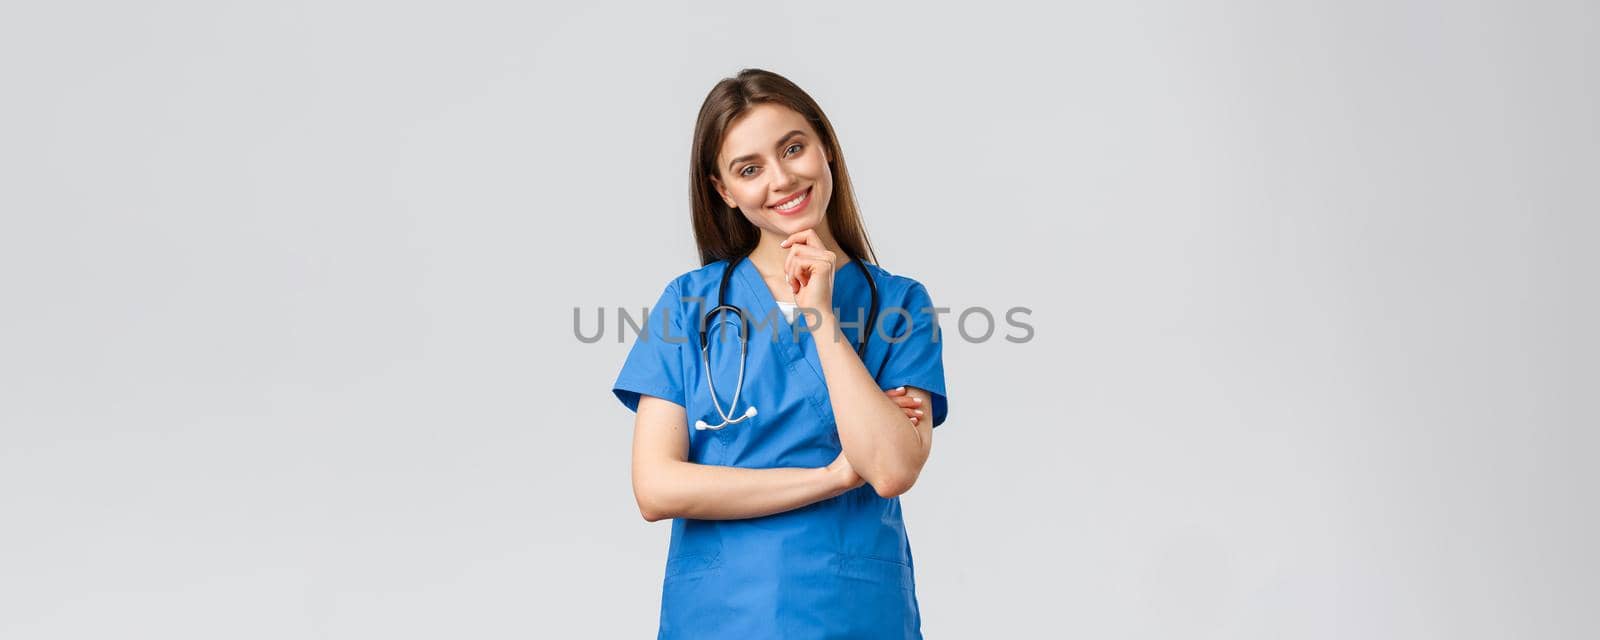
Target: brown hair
column 722, row 232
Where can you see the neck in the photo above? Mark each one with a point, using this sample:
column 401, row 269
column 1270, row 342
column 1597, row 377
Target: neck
column 768, row 257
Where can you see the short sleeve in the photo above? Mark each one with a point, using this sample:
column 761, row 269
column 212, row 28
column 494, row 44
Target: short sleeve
column 915, row 356
column 655, row 363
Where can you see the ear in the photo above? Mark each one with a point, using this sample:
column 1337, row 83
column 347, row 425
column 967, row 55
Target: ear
column 721, row 193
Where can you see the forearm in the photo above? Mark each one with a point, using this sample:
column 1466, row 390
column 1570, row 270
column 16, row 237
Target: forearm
column 881, row 444
column 677, row 489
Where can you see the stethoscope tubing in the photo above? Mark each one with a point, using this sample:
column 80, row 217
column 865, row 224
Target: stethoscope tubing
column 744, row 339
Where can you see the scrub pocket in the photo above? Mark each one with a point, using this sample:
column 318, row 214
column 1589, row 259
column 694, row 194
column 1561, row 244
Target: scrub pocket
column 690, row 566
column 876, row 570
column 694, row 597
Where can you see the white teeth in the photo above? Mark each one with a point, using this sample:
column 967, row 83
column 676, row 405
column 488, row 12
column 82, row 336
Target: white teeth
column 792, row 202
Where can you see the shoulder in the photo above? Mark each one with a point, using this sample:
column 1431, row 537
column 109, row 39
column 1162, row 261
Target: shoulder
column 687, row 289
column 698, row 281
column 897, row 286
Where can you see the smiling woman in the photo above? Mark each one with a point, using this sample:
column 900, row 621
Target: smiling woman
column 781, row 145
column 786, row 518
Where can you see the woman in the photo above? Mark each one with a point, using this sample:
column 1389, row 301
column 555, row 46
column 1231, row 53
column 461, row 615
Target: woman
column 786, row 520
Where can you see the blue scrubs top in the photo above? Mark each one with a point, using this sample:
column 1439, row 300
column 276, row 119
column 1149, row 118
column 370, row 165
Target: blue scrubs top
column 840, row 567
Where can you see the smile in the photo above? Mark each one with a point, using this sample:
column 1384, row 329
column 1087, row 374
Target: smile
column 794, row 204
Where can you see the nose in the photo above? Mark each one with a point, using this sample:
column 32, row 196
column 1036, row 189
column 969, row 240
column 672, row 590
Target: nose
column 781, row 179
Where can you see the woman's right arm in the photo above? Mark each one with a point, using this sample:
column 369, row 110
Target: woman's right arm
column 667, row 485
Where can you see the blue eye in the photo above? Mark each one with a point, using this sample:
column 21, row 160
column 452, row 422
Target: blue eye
column 789, row 151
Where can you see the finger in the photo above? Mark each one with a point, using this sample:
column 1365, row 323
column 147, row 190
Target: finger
column 797, row 255
column 810, row 267
column 804, row 236
column 805, row 252
column 906, row 403
column 797, row 268
column 897, row 391
column 796, row 277
column 791, row 267
column 825, row 263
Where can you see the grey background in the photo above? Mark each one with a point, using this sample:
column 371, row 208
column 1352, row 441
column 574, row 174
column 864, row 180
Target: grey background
column 286, row 348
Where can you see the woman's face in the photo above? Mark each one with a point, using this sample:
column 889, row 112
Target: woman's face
column 771, row 156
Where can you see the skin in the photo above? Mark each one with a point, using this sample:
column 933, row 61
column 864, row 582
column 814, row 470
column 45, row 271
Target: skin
column 884, row 441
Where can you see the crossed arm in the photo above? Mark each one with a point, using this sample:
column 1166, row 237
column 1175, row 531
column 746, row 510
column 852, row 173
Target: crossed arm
column 667, row 485
column 872, row 429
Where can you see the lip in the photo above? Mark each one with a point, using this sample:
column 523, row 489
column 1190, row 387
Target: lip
column 805, row 201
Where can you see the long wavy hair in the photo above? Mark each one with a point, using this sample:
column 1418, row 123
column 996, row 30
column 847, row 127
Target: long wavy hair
column 722, row 232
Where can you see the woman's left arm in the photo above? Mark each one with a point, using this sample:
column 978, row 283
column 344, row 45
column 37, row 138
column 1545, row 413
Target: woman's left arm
column 884, row 447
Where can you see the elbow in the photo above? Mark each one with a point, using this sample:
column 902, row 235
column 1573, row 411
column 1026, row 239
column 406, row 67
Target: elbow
column 894, row 479
column 653, row 506
column 894, row 484
column 649, row 509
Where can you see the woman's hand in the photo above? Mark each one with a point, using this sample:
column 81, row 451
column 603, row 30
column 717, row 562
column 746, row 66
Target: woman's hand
column 809, row 270
column 844, row 475
column 911, row 404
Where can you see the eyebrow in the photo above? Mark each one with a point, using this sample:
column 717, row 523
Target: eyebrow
column 752, row 156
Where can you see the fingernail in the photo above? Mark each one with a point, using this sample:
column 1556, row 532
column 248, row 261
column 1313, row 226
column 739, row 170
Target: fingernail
column 919, row 400
column 900, row 388
column 919, row 411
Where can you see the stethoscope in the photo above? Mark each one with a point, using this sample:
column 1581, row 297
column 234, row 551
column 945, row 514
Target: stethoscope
column 744, row 335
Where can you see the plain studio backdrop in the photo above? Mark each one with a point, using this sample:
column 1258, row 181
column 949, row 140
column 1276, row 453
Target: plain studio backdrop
column 287, row 344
